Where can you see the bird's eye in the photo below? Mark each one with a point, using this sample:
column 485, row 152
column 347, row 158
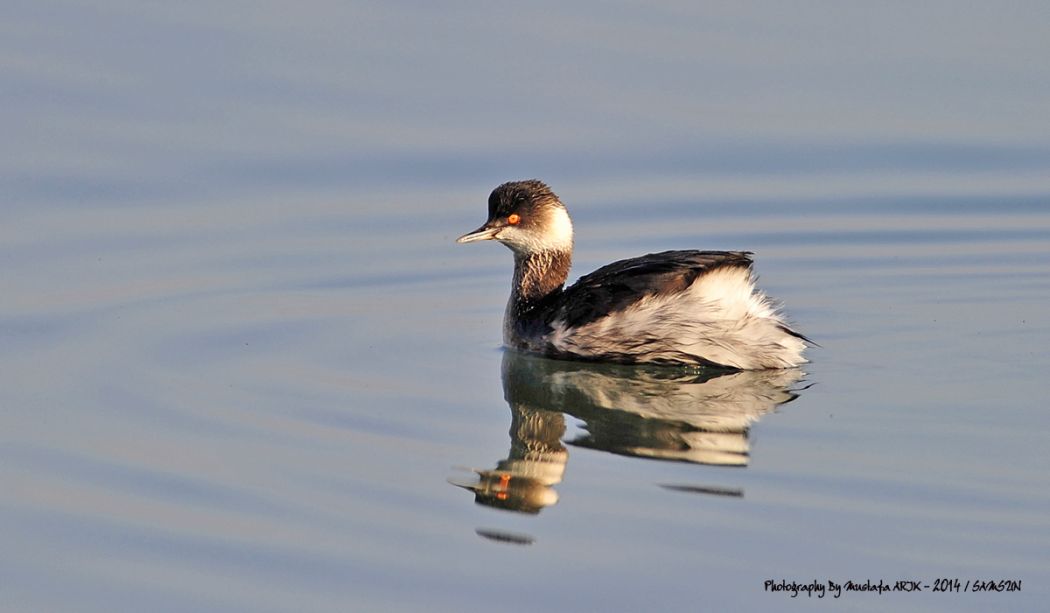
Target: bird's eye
column 513, row 219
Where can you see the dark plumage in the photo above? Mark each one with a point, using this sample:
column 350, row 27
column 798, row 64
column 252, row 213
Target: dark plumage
column 615, row 287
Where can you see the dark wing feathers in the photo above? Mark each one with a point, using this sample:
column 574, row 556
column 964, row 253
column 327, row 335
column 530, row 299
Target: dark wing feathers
column 616, row 286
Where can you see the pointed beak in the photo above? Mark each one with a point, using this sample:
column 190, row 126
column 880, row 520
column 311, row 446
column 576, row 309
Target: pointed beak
column 486, row 232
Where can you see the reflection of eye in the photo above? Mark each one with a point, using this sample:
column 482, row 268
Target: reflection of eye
column 513, row 219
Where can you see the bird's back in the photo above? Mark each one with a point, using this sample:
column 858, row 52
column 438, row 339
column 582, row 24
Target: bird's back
column 692, row 307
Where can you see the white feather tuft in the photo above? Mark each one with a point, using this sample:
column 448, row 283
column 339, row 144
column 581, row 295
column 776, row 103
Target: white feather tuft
column 720, row 318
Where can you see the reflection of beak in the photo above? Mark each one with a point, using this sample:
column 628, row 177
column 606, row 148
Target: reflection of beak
column 486, row 232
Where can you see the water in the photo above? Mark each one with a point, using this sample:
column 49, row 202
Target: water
column 244, row 366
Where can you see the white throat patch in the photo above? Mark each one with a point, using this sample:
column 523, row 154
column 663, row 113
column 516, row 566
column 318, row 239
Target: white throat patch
column 559, row 234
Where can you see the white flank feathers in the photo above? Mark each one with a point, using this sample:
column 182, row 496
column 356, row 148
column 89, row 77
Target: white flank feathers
column 720, row 318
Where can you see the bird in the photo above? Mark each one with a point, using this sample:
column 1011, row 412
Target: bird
column 686, row 308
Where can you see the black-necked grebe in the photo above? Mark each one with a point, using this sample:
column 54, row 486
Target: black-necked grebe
column 677, row 307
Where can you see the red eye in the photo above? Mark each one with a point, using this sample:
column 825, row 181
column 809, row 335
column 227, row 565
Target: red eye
column 513, row 219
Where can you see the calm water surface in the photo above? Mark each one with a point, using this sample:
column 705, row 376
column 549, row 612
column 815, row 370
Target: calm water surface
column 243, row 365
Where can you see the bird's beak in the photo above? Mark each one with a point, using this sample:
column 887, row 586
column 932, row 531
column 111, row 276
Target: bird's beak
column 486, row 232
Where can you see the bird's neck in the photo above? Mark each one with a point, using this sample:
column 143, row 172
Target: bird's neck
column 538, row 274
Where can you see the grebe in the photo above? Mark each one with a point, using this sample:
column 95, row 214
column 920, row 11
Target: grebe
column 697, row 308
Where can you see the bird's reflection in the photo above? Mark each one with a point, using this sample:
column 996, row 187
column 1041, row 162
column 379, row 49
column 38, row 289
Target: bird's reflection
column 643, row 411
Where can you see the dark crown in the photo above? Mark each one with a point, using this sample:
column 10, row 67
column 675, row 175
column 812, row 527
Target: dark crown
column 513, row 195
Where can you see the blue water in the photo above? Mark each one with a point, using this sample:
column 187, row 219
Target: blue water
column 245, row 367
